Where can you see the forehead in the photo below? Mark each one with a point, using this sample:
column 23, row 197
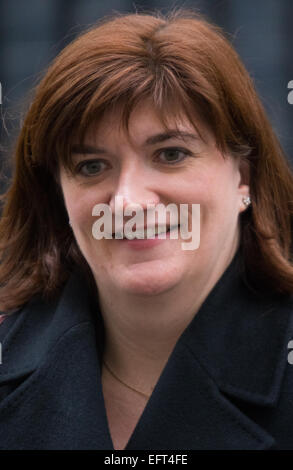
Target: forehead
column 144, row 121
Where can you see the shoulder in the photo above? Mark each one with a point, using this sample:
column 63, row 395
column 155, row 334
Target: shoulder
column 282, row 413
column 48, row 373
column 29, row 333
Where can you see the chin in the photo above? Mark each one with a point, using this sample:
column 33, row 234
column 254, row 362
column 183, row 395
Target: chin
column 152, row 283
column 147, row 289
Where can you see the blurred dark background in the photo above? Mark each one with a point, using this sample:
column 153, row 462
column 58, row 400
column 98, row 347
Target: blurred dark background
column 32, row 32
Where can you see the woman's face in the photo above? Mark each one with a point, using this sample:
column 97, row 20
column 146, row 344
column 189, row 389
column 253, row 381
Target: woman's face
column 172, row 171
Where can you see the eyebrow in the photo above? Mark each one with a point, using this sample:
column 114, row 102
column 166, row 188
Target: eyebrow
column 152, row 140
column 171, row 134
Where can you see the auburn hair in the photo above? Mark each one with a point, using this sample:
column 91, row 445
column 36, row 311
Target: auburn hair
column 185, row 65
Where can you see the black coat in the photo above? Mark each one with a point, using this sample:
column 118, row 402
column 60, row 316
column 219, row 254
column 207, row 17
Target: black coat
column 227, row 385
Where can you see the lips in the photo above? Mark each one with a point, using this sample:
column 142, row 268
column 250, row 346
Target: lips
column 142, row 233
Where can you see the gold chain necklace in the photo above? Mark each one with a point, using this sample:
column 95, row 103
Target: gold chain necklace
column 124, row 383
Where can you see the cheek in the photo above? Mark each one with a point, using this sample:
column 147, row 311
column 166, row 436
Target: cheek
column 201, row 188
column 215, row 189
column 80, row 203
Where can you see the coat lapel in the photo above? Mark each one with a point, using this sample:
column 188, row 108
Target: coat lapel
column 233, row 351
column 50, row 376
column 187, row 411
column 235, row 348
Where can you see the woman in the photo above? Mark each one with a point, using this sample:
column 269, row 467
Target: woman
column 140, row 344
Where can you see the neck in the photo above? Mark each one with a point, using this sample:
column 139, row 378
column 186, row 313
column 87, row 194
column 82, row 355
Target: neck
column 141, row 331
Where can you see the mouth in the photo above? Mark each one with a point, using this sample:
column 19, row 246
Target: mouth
column 150, row 233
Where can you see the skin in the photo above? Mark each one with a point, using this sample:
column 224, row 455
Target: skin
column 148, row 297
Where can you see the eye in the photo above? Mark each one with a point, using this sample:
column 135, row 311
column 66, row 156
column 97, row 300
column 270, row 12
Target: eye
column 91, row 167
column 172, row 155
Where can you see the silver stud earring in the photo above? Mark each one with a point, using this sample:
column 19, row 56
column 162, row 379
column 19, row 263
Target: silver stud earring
column 246, row 201
column 69, row 223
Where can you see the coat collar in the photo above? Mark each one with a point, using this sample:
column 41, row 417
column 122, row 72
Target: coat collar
column 38, row 325
column 239, row 337
column 235, row 346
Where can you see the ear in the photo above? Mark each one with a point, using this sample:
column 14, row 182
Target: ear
column 244, row 187
column 244, row 168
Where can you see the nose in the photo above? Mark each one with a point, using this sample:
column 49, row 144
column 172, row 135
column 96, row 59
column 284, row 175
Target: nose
column 134, row 190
